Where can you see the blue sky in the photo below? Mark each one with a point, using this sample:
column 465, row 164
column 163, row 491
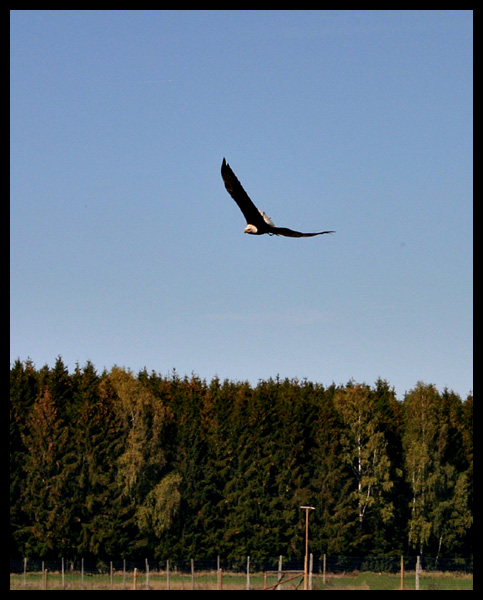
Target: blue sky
column 126, row 249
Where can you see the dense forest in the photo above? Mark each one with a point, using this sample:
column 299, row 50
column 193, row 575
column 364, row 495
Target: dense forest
column 124, row 465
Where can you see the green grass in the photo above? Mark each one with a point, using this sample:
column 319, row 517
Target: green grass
column 392, row 581
column 208, row 581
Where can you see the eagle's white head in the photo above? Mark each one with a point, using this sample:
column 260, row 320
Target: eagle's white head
column 250, row 229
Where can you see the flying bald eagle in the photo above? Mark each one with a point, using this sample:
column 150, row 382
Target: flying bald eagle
column 258, row 222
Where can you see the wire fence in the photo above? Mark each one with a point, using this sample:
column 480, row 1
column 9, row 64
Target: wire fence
column 243, row 573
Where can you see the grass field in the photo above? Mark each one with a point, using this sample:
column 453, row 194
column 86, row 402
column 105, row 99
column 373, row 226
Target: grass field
column 231, row 581
column 392, row 581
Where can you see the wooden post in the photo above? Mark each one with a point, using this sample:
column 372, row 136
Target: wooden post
column 45, row 578
column 192, row 574
column 418, row 566
column 24, row 572
column 248, row 572
column 82, row 573
column 123, row 573
column 110, row 575
column 167, row 575
column 218, row 573
column 147, row 574
column 63, row 574
column 311, row 566
column 306, row 559
column 324, row 568
column 135, row 579
column 402, row 572
column 306, row 566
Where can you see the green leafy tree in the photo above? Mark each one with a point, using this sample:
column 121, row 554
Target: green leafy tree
column 439, row 503
column 143, row 416
column 160, row 506
column 451, row 516
column 364, row 450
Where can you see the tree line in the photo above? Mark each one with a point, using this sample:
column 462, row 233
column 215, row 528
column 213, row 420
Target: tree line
column 125, row 465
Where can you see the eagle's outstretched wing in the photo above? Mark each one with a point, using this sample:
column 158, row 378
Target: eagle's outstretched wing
column 291, row 233
column 236, row 191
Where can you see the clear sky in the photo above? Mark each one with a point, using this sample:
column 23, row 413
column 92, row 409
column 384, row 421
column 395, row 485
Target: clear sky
column 126, row 248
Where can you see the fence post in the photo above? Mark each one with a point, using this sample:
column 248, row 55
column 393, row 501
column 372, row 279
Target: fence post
column 167, row 575
column 135, row 578
column 123, row 573
column 418, row 566
column 63, row 574
column 323, row 568
column 147, row 574
column 218, row 573
column 248, row 572
column 402, row 572
column 279, row 575
column 110, row 574
column 311, row 566
column 192, row 574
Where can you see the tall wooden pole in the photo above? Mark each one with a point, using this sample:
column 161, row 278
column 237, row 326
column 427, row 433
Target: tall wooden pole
column 306, row 564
